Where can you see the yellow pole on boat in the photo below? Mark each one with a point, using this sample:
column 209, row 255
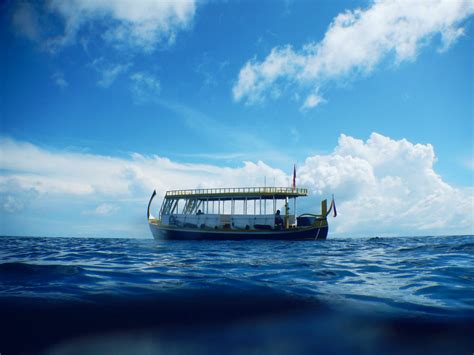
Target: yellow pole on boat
column 324, row 208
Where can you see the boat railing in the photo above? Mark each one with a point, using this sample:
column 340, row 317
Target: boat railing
column 223, row 220
column 239, row 190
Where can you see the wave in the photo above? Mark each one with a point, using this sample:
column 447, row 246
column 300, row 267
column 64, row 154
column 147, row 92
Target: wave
column 18, row 269
column 463, row 247
column 103, row 285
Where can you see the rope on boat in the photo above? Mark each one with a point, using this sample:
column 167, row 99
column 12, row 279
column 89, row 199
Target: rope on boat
column 319, row 229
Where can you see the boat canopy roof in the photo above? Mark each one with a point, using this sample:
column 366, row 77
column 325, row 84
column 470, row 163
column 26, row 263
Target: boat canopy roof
column 237, row 193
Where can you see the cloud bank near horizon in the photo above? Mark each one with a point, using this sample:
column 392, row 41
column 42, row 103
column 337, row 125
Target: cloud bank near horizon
column 383, row 186
column 355, row 43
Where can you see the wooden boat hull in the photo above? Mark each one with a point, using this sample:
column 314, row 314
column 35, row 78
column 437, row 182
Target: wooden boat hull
column 161, row 232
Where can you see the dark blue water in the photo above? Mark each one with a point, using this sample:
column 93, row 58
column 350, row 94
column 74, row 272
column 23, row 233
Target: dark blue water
column 122, row 296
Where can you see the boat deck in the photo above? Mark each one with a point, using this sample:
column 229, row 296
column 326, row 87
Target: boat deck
column 238, row 193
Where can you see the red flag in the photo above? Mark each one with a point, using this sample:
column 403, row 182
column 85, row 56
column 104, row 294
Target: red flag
column 294, row 177
column 334, row 205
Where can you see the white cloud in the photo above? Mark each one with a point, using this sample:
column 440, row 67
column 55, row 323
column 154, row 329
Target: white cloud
column 28, row 167
column 108, row 72
column 44, row 184
column 145, row 87
column 312, row 101
column 382, row 186
column 109, row 75
column 12, row 204
column 355, row 43
column 130, row 25
column 104, row 209
column 385, row 185
column 142, row 24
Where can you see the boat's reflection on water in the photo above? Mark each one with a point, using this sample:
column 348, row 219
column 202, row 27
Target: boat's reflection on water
column 224, row 323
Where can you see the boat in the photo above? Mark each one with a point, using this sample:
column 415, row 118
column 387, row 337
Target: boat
column 237, row 214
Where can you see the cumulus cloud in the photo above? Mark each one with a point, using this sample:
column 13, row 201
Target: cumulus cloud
column 382, row 186
column 389, row 185
column 355, row 43
column 142, row 24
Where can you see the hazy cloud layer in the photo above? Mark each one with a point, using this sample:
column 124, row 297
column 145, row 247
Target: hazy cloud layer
column 355, row 43
column 145, row 87
column 108, row 72
column 382, row 186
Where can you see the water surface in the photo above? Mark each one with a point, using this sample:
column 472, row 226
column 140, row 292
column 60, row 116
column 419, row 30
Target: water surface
column 379, row 295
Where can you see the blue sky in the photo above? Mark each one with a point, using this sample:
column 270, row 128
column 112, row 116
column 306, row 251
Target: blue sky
column 102, row 102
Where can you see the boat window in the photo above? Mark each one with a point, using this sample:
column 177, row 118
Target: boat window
column 174, row 206
column 265, row 201
column 167, row 206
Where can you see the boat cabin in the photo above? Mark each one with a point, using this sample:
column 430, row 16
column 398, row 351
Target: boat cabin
column 240, row 208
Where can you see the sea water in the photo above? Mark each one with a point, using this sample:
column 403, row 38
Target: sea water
column 340, row 296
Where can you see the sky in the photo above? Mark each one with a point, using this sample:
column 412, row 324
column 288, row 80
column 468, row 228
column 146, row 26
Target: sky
column 101, row 102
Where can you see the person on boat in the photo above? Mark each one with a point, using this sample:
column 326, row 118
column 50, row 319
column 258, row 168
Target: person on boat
column 199, row 212
column 278, row 220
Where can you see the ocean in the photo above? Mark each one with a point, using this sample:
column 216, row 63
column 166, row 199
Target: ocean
column 405, row 295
